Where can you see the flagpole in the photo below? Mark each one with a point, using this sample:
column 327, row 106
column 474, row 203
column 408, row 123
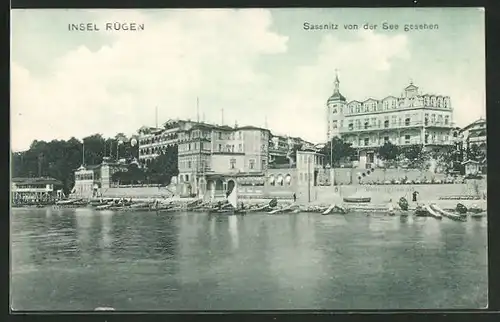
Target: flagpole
column 83, row 153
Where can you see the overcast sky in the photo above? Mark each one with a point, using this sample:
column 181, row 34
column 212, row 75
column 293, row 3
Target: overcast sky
column 254, row 64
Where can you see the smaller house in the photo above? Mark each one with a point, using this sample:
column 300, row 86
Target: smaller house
column 471, row 167
column 35, row 190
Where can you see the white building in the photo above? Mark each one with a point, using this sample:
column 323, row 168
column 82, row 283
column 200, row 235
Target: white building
column 412, row 118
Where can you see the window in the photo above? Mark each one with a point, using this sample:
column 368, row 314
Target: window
column 407, row 139
column 358, row 124
column 271, row 180
column 394, row 120
column 446, row 120
column 280, row 180
column 350, row 126
column 220, row 135
column 426, row 138
column 264, row 164
column 433, row 118
column 288, row 179
column 446, row 138
column 240, row 147
column 357, row 108
column 407, row 121
column 367, row 125
column 386, row 105
column 440, row 119
column 220, row 147
column 251, row 164
column 386, row 139
column 189, row 164
column 334, row 124
column 228, row 148
column 232, row 163
column 426, row 119
column 374, row 122
column 189, row 146
column 367, row 141
column 386, row 123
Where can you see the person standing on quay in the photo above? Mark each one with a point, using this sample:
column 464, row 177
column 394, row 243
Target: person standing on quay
column 294, row 197
column 414, row 196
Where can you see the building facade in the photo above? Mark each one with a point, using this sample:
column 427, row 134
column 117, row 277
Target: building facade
column 92, row 180
column 211, row 155
column 412, row 118
column 474, row 134
column 35, row 190
column 153, row 141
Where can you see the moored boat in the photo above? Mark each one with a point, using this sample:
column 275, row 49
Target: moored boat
column 448, row 214
column 357, row 200
column 432, row 212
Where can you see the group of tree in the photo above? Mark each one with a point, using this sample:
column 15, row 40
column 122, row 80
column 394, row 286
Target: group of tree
column 60, row 158
column 159, row 171
column 338, row 151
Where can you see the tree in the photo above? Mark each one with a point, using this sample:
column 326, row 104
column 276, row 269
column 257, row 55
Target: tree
column 164, row 167
column 388, row 152
column 338, row 150
column 475, row 153
column 416, row 156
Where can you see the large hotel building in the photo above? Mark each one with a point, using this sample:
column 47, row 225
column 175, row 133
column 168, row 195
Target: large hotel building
column 412, row 118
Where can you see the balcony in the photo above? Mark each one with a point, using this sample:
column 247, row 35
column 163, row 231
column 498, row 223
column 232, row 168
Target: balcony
column 393, row 126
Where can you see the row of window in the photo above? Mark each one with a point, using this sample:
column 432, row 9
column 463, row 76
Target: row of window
column 432, row 138
column 31, row 186
column 160, row 138
column 194, row 146
column 371, row 106
column 87, row 176
column 280, row 180
column 392, row 122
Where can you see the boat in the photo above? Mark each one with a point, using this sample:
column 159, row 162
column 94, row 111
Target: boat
column 329, row 210
column 478, row 215
column 281, row 210
column 421, row 212
column 357, row 200
column 231, row 205
column 103, row 207
column 334, row 208
column 433, row 212
column 448, row 214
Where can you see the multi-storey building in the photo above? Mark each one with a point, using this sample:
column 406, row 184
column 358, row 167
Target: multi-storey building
column 474, row 134
column 413, row 118
column 153, row 141
column 211, row 155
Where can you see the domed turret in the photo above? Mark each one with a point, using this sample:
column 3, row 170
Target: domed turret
column 336, row 96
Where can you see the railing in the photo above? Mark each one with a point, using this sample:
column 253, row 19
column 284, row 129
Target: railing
column 394, row 126
column 282, row 166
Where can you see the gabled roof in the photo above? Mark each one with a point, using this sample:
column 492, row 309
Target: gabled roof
column 470, row 161
column 477, row 122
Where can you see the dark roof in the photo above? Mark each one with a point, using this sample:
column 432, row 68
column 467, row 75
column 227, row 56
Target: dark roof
column 411, row 86
column 251, row 127
column 37, row 181
column 336, row 97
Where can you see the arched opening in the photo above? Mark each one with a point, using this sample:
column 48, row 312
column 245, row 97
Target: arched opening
column 218, row 185
column 230, row 186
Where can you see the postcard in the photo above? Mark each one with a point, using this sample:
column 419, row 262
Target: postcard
column 248, row 159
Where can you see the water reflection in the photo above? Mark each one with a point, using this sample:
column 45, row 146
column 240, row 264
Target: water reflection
column 140, row 261
column 106, row 239
column 233, row 231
